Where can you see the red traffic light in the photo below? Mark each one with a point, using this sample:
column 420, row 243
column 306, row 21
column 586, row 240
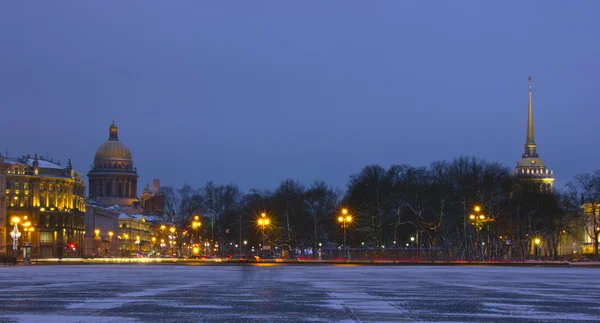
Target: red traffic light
column 72, row 246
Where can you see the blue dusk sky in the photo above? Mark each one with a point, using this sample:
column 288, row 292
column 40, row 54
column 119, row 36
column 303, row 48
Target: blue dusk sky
column 254, row 92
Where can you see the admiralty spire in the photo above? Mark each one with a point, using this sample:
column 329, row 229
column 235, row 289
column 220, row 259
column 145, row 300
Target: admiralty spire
column 531, row 169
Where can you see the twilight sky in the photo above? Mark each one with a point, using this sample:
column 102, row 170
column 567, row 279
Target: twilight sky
column 255, row 92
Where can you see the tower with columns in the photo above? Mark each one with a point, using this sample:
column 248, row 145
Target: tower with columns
column 531, row 169
column 113, row 177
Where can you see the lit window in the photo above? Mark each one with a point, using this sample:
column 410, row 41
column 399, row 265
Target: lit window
column 46, row 237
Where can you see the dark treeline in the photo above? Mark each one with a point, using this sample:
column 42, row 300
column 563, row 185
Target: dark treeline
column 403, row 207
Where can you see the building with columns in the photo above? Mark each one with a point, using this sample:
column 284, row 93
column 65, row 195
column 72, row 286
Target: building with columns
column 531, row 170
column 47, row 201
column 113, row 178
column 3, row 222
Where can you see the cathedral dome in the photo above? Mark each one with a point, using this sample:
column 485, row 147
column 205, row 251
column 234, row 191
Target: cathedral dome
column 113, row 149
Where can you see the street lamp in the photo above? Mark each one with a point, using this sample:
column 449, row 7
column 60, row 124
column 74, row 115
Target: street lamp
column 15, row 234
column 138, row 243
column 172, row 238
column 478, row 220
column 537, row 242
column 96, row 239
column 345, row 219
column 162, row 245
column 263, row 222
column 195, row 225
column 110, row 235
column 126, row 236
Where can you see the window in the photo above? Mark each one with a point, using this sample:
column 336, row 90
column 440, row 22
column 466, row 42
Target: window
column 8, row 185
column 46, row 237
column 17, row 186
column 26, row 186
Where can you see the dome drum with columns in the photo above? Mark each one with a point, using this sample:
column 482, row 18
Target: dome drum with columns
column 113, row 178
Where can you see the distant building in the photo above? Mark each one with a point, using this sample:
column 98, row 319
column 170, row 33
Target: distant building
column 137, row 235
column 531, row 170
column 152, row 201
column 4, row 228
column 101, row 231
column 48, row 201
column 113, row 178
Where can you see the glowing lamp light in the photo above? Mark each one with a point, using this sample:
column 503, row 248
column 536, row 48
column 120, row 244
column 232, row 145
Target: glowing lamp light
column 477, row 208
column 472, row 216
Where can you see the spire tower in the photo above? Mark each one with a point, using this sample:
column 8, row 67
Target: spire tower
column 530, row 146
column 531, row 169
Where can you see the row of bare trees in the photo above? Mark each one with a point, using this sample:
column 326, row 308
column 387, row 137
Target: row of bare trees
column 390, row 206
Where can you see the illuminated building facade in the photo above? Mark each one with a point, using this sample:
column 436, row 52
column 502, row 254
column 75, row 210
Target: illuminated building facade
column 531, row 170
column 48, row 200
column 3, row 222
column 113, row 178
column 135, row 235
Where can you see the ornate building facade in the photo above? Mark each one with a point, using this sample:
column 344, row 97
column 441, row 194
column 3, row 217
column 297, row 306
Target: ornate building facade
column 113, row 178
column 48, row 203
column 531, row 170
column 3, row 222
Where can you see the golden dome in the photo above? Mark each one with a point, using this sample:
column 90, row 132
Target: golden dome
column 113, row 150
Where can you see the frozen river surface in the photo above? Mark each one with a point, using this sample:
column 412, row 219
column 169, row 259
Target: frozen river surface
column 262, row 293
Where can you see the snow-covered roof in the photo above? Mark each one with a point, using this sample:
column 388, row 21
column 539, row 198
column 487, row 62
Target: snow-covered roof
column 138, row 217
column 41, row 163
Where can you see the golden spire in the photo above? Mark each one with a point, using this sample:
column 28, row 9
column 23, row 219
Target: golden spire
column 530, row 145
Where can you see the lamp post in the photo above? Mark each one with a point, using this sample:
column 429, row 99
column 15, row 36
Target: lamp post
column 15, row 234
column 139, row 245
column 196, row 224
column 110, row 236
column 536, row 252
column 126, row 236
column 345, row 219
column 96, row 239
column 478, row 220
column 263, row 221
column 172, row 238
